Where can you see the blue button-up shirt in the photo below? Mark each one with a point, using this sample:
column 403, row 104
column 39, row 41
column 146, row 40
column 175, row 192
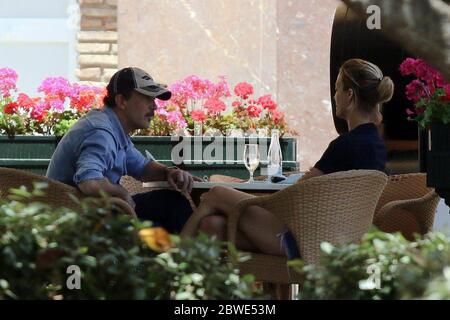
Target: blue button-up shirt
column 96, row 147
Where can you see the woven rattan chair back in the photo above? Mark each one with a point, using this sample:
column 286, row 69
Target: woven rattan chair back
column 406, row 205
column 57, row 194
column 403, row 187
column 336, row 208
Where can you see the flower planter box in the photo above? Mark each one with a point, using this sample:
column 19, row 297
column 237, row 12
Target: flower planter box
column 438, row 157
column 438, row 160
column 34, row 152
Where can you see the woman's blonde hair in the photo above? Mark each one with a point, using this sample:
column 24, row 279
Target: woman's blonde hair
column 371, row 88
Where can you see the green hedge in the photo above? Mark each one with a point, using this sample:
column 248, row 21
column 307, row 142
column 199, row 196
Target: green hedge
column 38, row 244
column 407, row 270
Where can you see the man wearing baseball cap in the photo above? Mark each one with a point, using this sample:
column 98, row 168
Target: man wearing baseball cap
column 97, row 151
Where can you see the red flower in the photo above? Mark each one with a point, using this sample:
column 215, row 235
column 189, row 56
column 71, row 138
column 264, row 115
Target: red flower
column 446, row 97
column 198, row 115
column 243, row 90
column 236, row 104
column 408, row 66
column 276, row 115
column 415, row 90
column 26, row 102
column 267, row 103
column 214, row 106
column 10, row 108
column 254, row 111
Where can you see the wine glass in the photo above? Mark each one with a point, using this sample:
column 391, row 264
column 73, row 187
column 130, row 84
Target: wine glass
column 251, row 159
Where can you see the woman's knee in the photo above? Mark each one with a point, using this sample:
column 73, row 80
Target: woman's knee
column 216, row 192
column 213, row 225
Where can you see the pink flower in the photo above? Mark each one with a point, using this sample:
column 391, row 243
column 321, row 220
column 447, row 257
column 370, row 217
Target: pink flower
column 409, row 112
column 415, row 91
column 424, row 72
column 176, row 118
column 198, row 115
column 408, row 66
column 236, row 104
column 440, row 81
column 447, row 89
column 56, row 104
column 243, row 90
column 161, row 111
column 8, row 80
column 446, row 97
column 254, row 111
column 220, row 89
column 40, row 111
column 214, row 106
column 267, row 103
column 56, row 86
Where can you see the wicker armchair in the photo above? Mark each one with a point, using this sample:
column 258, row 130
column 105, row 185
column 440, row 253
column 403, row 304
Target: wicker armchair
column 132, row 185
column 406, row 205
column 337, row 208
column 57, row 194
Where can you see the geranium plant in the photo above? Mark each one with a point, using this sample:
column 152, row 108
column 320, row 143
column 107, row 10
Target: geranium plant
column 429, row 92
column 201, row 101
column 59, row 106
column 195, row 103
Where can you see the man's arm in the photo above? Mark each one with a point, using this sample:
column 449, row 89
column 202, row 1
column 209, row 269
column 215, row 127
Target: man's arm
column 95, row 158
column 178, row 179
column 154, row 171
column 93, row 187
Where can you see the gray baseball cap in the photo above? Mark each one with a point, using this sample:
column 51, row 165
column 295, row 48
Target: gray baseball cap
column 140, row 81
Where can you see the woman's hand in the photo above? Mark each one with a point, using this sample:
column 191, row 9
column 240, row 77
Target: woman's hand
column 312, row 172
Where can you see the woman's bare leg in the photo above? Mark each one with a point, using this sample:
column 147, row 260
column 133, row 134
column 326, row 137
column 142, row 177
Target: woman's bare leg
column 258, row 227
column 218, row 200
column 216, row 225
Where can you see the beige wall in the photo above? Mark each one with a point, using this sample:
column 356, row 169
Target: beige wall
column 281, row 47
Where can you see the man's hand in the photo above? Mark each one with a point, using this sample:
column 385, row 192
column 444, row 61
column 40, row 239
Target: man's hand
column 181, row 180
column 93, row 187
column 130, row 201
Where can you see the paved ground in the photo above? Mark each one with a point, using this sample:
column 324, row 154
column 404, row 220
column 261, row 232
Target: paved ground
column 442, row 220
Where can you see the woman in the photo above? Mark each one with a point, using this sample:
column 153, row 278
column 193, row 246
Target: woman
column 361, row 89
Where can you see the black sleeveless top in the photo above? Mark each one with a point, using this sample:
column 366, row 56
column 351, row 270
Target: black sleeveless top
column 360, row 148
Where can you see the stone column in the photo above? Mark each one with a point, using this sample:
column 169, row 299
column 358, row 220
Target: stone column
column 97, row 41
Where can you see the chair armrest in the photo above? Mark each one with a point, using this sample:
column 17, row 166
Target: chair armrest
column 233, row 217
column 415, row 206
column 269, row 202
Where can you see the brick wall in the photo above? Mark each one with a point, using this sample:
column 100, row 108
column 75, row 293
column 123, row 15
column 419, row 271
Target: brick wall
column 97, row 41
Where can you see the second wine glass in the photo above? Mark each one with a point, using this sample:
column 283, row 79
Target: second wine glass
column 251, row 159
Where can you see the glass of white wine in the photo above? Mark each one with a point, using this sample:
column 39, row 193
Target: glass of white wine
column 251, row 159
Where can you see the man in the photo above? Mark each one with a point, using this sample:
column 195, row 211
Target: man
column 97, row 152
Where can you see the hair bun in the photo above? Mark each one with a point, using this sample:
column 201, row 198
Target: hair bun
column 385, row 89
